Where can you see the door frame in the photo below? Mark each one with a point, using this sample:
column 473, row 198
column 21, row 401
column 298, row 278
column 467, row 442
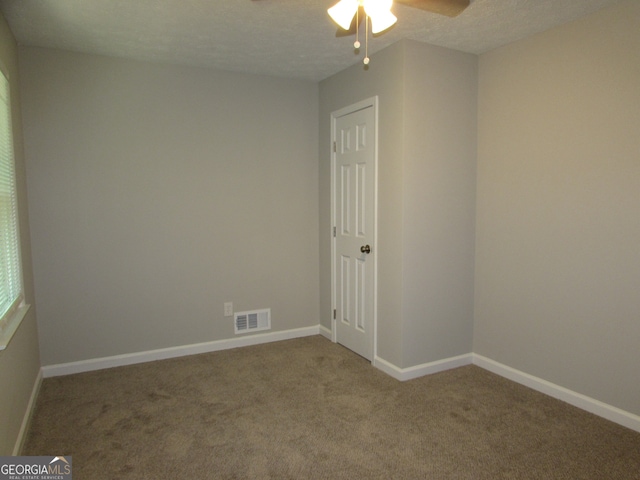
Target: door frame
column 366, row 103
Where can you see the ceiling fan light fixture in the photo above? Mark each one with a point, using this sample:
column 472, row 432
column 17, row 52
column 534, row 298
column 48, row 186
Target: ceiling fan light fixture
column 376, row 12
column 342, row 12
column 379, row 11
column 382, row 21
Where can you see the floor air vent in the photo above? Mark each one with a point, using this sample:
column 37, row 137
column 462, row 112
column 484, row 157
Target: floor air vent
column 253, row 321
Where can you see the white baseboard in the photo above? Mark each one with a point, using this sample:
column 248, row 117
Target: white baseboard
column 409, row 373
column 583, row 402
column 172, row 352
column 26, row 420
column 326, row 332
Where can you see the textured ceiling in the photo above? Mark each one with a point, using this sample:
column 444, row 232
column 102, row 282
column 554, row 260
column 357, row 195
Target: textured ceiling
column 288, row 38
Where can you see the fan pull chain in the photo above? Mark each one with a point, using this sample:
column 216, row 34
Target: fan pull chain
column 356, row 44
column 366, row 41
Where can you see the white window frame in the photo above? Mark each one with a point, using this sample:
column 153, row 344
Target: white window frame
column 12, row 306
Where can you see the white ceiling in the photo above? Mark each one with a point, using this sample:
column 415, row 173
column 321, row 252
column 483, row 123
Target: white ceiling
column 288, row 38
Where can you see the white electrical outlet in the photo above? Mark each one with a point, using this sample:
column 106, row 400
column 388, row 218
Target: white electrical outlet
column 228, row 309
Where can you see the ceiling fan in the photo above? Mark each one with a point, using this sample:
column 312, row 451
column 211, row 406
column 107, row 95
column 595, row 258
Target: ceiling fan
column 349, row 13
column 345, row 11
column 377, row 14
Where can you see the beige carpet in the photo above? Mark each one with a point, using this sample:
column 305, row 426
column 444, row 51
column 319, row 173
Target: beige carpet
column 310, row 409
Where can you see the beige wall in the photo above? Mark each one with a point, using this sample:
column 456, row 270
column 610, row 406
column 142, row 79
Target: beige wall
column 426, row 195
column 158, row 193
column 20, row 361
column 438, row 213
column 558, row 206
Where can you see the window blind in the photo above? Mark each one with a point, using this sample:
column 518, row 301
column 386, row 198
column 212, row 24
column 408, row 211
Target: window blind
column 10, row 273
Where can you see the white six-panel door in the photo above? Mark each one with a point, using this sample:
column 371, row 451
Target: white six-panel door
column 354, row 177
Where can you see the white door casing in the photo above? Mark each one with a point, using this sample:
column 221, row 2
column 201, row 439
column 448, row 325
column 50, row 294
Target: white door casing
column 354, row 213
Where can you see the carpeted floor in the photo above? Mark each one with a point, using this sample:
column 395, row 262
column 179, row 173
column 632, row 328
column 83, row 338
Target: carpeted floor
column 310, row 409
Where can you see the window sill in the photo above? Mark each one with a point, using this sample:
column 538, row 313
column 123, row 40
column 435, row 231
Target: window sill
column 11, row 327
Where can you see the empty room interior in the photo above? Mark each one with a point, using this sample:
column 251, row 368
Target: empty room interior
column 172, row 199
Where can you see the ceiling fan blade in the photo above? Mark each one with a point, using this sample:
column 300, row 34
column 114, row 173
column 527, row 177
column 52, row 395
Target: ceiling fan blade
column 450, row 8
